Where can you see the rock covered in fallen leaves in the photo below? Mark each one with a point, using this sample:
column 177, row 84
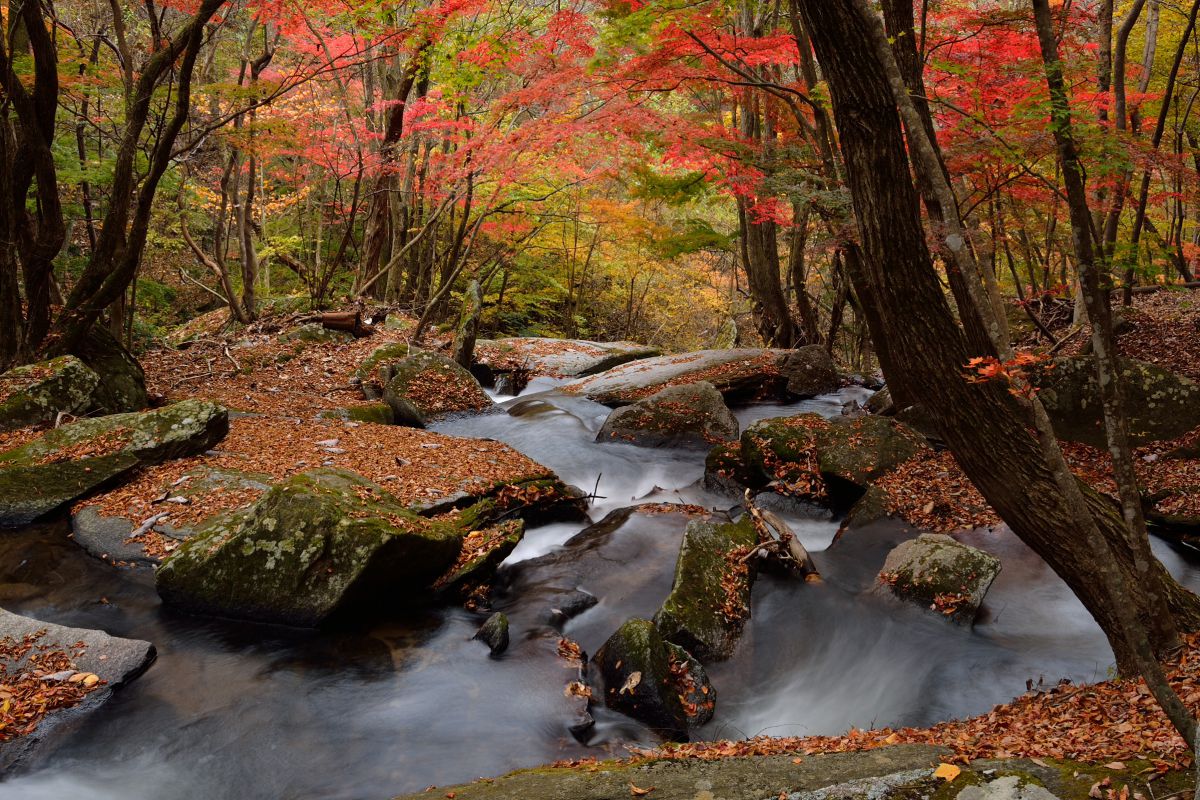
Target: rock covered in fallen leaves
column 692, row 686
column 740, row 374
column 635, row 667
column 122, row 385
column 426, row 386
column 494, row 633
column 559, row 358
column 374, row 372
column 320, row 542
column 854, row 452
column 691, row 415
column 36, row 394
column 725, row 470
column 782, row 451
column 940, row 573
column 1161, row 404
column 51, row 675
column 67, row 463
column 810, row 371
column 709, row 601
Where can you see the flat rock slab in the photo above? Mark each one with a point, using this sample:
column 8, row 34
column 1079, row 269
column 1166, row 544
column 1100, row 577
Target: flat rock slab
column 116, row 661
column 745, row 372
column 559, row 358
column 728, row 779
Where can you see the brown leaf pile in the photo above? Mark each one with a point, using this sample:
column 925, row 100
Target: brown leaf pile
column 26, row 697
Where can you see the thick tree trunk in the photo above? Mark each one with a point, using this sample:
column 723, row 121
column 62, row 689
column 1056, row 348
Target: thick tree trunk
column 928, row 349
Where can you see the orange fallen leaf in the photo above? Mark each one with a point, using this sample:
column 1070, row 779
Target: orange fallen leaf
column 947, row 772
column 638, row 791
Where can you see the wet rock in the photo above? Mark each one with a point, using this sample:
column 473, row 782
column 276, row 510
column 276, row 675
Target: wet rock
column 488, row 546
column 725, row 471
column 709, row 601
column 940, row 573
column 869, row 508
column 1010, row 787
column 783, row 450
column 37, row 393
column 122, row 381
column 426, row 386
column 318, row 543
column 67, row 463
column 570, row 358
column 810, row 371
column 107, row 537
column 635, row 667
column 570, row 605
column 113, row 660
column 737, row 374
column 494, row 633
column 692, row 415
column 881, row 403
column 377, row 368
column 1161, row 404
column 694, row 689
column 378, row 413
column 853, row 452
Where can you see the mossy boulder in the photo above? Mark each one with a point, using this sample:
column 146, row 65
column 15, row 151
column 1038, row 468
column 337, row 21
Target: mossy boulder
column 482, row 552
column 378, row 413
column 321, row 542
column 692, row 686
column 315, row 333
column 37, row 393
column 426, row 386
column 122, row 381
column 709, row 601
column 693, row 415
column 783, row 451
column 725, row 470
column 494, row 633
column 67, row 463
column 376, row 369
column 635, row 667
column 854, row 452
column 810, row 371
column 1161, row 404
column 944, row 575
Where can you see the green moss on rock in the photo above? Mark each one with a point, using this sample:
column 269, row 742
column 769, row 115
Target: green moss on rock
column 635, row 666
column 37, row 393
column 709, row 601
column 691, row 415
column 942, row 574
column 122, row 381
column 376, row 369
column 851, row 453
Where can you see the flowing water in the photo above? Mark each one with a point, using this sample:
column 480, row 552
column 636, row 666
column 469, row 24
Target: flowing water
column 247, row 711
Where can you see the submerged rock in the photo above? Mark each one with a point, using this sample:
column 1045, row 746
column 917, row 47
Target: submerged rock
column 635, row 667
column 37, row 393
column 709, row 602
column 940, row 573
column 494, row 633
column 425, row 386
column 1161, row 405
column 114, row 661
column 317, row 543
column 691, row 415
column 810, row 371
column 67, row 463
column 737, row 374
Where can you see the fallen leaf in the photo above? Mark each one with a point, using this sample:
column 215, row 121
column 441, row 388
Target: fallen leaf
column 631, row 683
column 638, row 791
column 947, row 772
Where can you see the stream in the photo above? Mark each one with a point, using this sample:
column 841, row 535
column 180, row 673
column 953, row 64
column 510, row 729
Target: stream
column 233, row 709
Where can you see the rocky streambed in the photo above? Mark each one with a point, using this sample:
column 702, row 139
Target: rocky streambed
column 364, row 693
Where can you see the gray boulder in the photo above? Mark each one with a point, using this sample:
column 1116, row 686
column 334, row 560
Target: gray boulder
column 568, row 358
column 122, row 381
column 37, row 393
column 426, row 386
column 315, row 333
column 692, row 415
column 810, row 371
column 66, row 463
column 114, row 661
column 709, row 601
column 937, row 572
column 1161, row 404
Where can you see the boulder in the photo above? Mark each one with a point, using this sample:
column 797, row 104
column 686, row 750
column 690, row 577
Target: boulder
column 494, row 633
column 482, row 552
column 709, row 601
column 692, row 686
column 320, row 542
column 692, row 415
column 783, row 451
column 567, row 358
column 36, row 394
column 635, row 667
column 737, row 374
column 725, row 471
column 67, row 463
column 854, row 452
column 122, row 381
column 376, row 369
column 426, row 386
column 378, row 413
column 113, row 661
column 149, row 537
column 315, row 333
column 810, row 371
column 1161, row 404
column 881, row 403
column 937, row 572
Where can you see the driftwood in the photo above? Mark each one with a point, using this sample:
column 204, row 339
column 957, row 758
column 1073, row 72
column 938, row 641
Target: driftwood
column 778, row 543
